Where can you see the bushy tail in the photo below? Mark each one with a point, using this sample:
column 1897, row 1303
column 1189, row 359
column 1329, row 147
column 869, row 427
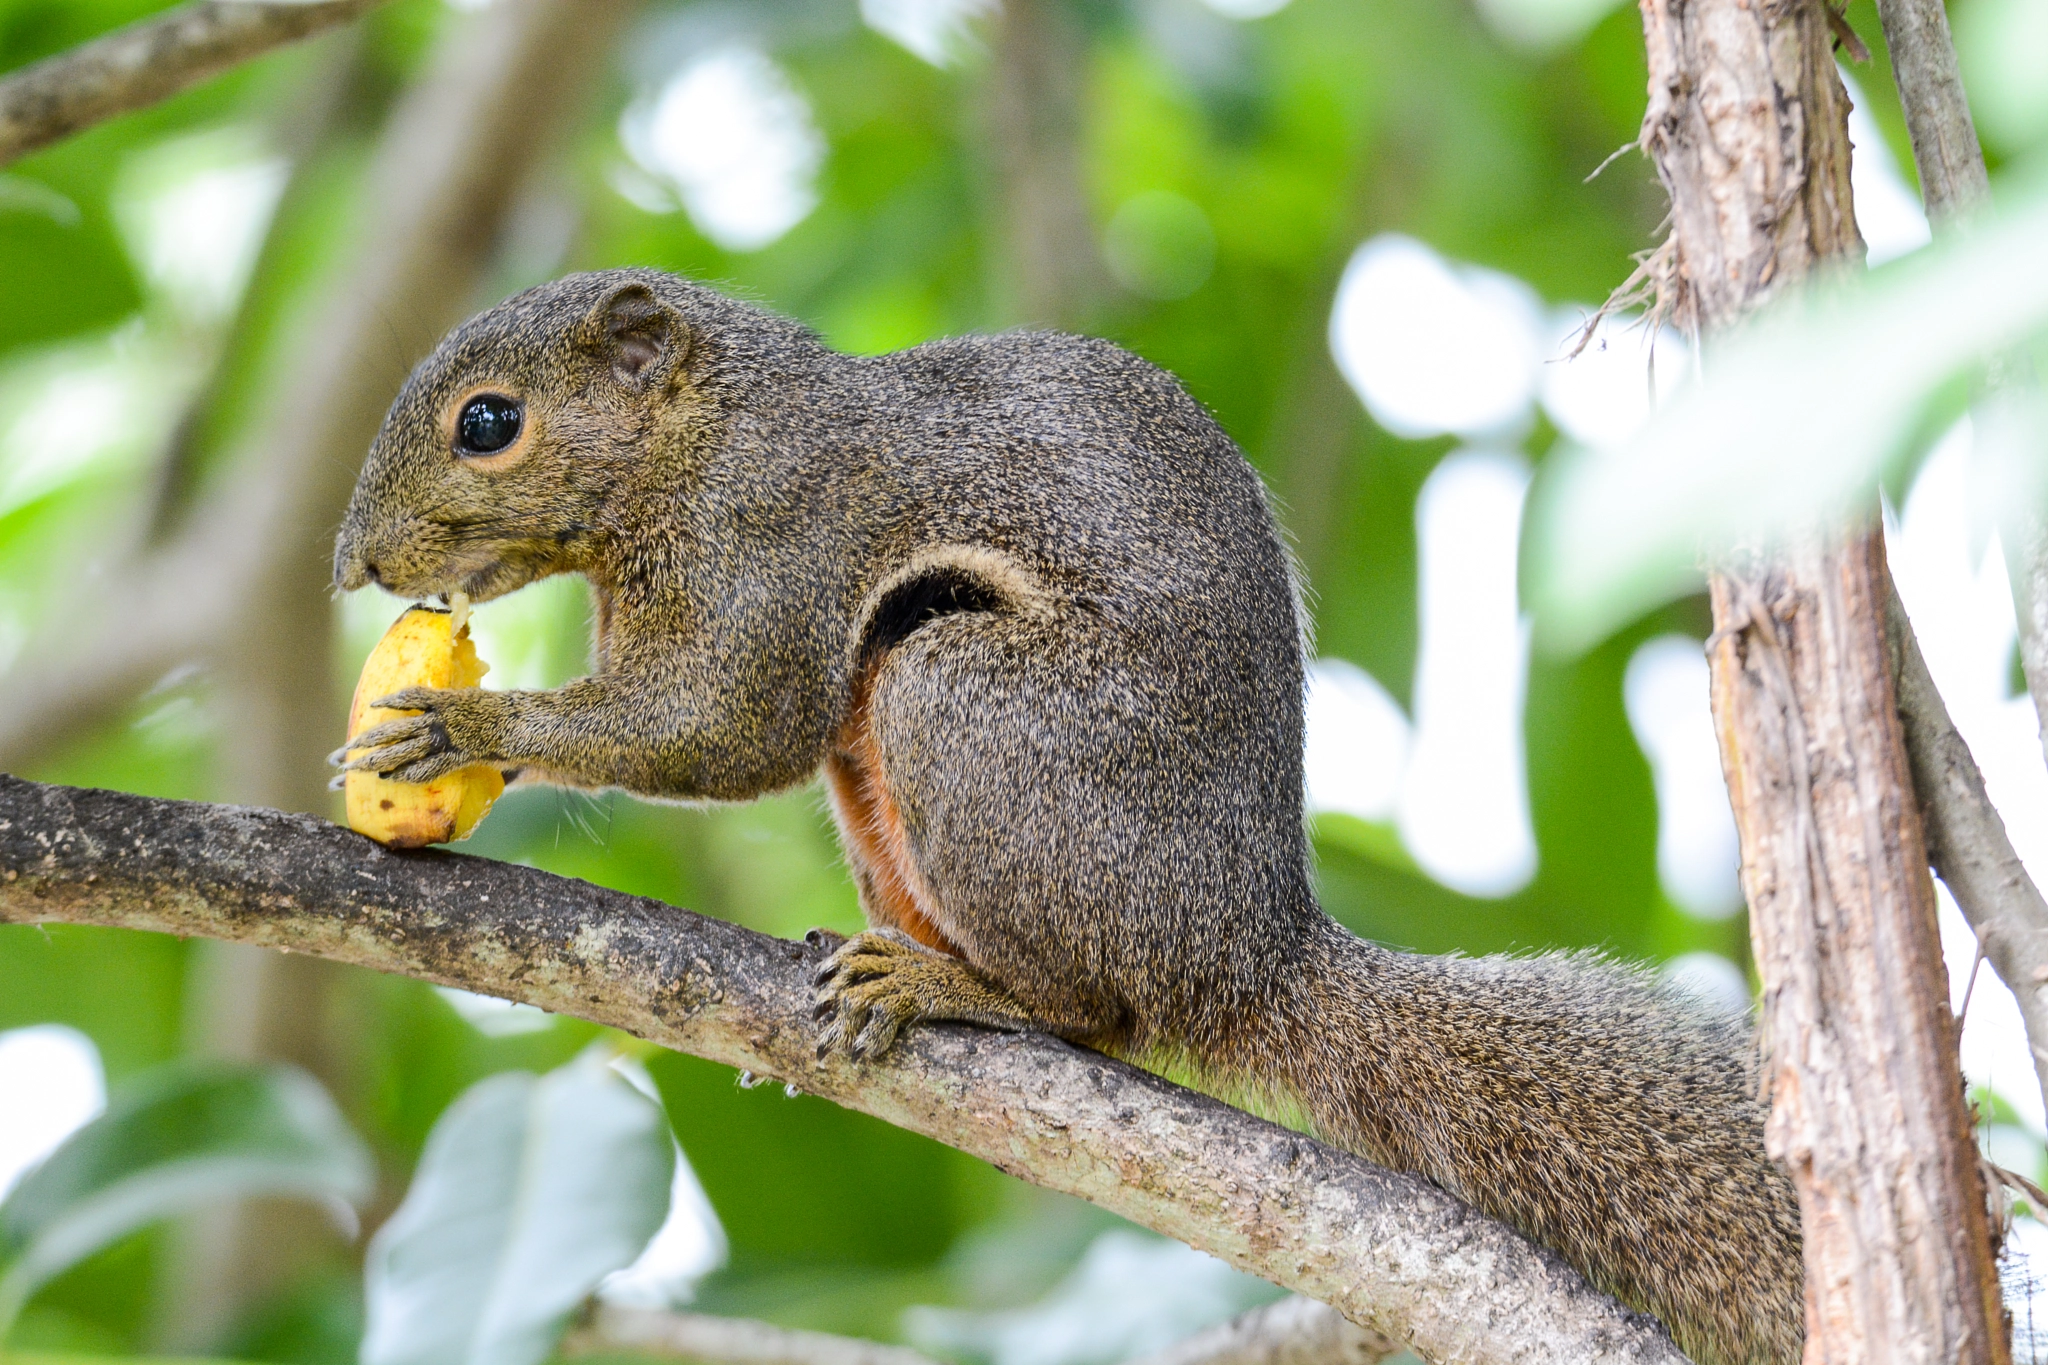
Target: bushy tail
column 1604, row 1115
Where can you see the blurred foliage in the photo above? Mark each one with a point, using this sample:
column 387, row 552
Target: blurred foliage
column 183, row 1138
column 529, row 1193
column 1248, row 159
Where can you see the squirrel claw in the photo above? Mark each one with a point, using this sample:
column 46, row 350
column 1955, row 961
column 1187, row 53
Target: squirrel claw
column 423, row 699
column 831, row 1038
column 878, row 1035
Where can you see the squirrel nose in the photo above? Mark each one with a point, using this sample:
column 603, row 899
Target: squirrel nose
column 352, row 572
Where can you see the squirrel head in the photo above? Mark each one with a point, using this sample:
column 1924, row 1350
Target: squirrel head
column 516, row 448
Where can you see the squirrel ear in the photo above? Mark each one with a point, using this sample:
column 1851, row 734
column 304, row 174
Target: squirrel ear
column 638, row 334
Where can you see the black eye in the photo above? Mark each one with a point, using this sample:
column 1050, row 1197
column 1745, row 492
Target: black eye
column 489, row 422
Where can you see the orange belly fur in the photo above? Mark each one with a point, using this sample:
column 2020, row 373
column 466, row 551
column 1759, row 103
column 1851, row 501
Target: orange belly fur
column 871, row 829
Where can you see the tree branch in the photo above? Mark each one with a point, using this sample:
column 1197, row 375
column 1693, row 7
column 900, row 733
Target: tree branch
column 148, row 61
column 1389, row 1251
column 1967, row 843
column 1966, row 839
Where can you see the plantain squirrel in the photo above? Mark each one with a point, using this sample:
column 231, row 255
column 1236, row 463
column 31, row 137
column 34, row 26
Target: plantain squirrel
column 1024, row 603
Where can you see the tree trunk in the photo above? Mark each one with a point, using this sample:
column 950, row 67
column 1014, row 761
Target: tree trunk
column 1747, row 123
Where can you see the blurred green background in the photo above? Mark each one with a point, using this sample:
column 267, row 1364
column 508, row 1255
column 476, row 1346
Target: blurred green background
column 1223, row 163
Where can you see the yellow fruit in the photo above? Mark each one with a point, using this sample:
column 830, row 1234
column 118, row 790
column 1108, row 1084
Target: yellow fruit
column 422, row 649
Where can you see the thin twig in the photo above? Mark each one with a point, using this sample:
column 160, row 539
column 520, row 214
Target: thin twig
column 1970, row 986
column 2025, row 543
column 2013, row 1180
column 1650, row 281
column 148, row 61
column 1390, row 1251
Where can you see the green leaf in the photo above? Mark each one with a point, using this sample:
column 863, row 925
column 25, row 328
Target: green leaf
column 1796, row 416
column 180, row 1137
column 530, row 1191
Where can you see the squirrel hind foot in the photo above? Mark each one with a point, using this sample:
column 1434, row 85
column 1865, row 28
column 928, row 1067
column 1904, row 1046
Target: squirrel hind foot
column 877, row 983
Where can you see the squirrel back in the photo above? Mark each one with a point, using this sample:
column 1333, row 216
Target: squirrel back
column 1022, row 603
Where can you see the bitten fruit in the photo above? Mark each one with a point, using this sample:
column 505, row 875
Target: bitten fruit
column 423, row 648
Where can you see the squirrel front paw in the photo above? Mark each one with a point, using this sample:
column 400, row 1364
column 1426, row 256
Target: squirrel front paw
column 875, row 983
column 443, row 737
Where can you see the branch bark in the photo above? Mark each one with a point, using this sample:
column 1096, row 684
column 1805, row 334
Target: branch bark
column 1965, row 836
column 1747, row 124
column 149, row 61
column 1868, row 1112
column 1389, row 1251
column 1953, row 181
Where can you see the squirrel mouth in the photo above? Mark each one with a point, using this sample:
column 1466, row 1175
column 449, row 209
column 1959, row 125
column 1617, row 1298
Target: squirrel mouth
column 481, row 586
column 494, row 578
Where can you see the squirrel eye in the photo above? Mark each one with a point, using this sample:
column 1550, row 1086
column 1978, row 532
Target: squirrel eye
column 488, row 423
